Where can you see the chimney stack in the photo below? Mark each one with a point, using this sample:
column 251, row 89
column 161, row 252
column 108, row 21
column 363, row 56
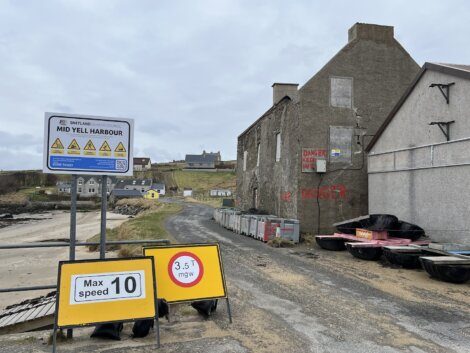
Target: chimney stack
column 280, row 90
column 370, row 32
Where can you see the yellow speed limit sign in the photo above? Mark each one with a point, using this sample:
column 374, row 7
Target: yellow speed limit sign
column 100, row 291
column 188, row 272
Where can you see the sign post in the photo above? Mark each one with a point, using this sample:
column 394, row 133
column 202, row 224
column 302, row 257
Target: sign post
column 70, row 147
column 104, row 204
column 73, row 227
column 91, row 292
column 189, row 272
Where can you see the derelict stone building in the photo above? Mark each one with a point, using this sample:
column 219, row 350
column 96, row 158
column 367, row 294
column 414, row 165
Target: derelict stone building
column 330, row 118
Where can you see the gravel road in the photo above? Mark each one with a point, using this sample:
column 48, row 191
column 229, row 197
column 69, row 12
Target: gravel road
column 302, row 299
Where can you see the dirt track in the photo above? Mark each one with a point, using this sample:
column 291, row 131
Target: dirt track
column 298, row 300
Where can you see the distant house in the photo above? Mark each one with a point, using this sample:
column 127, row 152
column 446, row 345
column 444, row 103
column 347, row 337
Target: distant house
column 125, row 194
column 64, row 187
column 142, row 164
column 152, row 195
column 206, row 160
column 142, row 185
column 220, row 193
column 160, row 188
column 87, row 186
column 188, row 192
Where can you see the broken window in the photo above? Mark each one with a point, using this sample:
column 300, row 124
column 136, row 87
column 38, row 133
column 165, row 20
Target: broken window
column 341, row 92
column 278, row 147
column 340, row 142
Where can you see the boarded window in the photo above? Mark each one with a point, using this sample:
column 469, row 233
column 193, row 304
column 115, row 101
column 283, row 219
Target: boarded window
column 245, row 158
column 340, row 144
column 278, row 147
column 341, row 92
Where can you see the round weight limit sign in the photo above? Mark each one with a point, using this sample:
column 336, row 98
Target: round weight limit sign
column 185, row 269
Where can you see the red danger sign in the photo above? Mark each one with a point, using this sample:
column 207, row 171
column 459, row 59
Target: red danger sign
column 185, row 269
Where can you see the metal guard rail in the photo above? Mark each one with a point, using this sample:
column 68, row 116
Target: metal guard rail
column 66, row 244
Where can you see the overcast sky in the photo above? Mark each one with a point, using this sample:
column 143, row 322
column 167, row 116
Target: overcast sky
column 193, row 74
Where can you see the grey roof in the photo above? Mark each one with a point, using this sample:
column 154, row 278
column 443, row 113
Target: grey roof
column 141, row 160
column 86, row 178
column 122, row 183
column 462, row 71
column 201, row 158
column 286, row 99
column 158, row 186
column 126, row 193
column 456, row 66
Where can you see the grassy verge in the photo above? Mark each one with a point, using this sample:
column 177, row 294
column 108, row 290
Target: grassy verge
column 213, row 202
column 205, row 181
column 149, row 224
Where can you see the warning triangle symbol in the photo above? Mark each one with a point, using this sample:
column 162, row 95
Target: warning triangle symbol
column 90, row 146
column 105, row 147
column 73, row 145
column 57, row 144
column 120, row 148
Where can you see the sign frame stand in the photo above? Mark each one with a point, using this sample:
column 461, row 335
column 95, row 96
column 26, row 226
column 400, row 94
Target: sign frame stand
column 56, row 310
column 226, row 297
column 229, row 310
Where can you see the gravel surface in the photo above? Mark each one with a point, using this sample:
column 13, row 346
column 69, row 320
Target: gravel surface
column 302, row 299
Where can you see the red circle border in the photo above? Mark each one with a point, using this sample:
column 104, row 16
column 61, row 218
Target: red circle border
column 172, row 277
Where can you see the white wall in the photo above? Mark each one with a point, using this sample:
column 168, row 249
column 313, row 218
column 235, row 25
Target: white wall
column 428, row 186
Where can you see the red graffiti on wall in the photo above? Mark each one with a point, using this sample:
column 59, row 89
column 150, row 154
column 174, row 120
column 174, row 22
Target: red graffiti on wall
column 326, row 192
column 309, row 158
column 286, row 196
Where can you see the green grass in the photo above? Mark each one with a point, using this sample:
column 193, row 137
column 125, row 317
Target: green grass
column 148, row 225
column 205, row 181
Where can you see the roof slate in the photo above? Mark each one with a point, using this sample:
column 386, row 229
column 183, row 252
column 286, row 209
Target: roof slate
column 126, row 193
column 201, row 158
column 122, row 183
column 141, row 160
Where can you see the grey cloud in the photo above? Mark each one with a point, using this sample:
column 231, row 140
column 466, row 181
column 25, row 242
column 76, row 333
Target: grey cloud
column 191, row 74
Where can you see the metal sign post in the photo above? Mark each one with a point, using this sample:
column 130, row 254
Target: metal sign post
column 104, row 204
column 87, row 145
column 73, row 228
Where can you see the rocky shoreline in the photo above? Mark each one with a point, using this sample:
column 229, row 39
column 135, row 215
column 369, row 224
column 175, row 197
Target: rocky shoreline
column 38, row 207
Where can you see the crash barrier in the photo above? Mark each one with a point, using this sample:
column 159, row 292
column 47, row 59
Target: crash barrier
column 260, row 227
column 92, row 292
column 189, row 272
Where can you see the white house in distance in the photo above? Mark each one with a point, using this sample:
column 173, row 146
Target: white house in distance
column 87, row 186
column 220, row 193
column 142, row 164
column 419, row 160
